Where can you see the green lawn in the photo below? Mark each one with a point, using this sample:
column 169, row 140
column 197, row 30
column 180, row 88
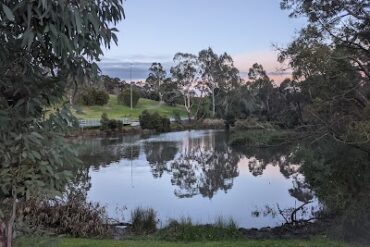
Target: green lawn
column 119, row 111
column 241, row 243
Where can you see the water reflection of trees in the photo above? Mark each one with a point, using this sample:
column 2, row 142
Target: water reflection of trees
column 260, row 158
column 204, row 171
column 204, row 165
column 102, row 152
column 158, row 154
column 340, row 176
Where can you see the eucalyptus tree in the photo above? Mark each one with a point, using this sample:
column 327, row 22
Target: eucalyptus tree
column 157, row 75
column 186, row 73
column 44, row 46
column 171, row 93
column 219, row 73
column 208, row 61
column 330, row 60
column 345, row 23
column 262, row 85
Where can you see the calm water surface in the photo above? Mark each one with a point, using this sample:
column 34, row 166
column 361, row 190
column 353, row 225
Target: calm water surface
column 192, row 174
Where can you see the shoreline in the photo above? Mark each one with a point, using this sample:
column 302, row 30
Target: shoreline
column 126, row 131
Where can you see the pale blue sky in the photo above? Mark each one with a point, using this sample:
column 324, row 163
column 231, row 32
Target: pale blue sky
column 154, row 30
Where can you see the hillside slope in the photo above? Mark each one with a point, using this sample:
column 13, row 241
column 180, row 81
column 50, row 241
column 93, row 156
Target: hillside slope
column 116, row 111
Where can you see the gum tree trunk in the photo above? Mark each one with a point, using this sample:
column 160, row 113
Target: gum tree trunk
column 3, row 242
column 213, row 103
column 6, row 228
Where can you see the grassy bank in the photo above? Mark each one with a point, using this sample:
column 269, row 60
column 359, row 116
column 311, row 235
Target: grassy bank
column 115, row 110
column 240, row 243
column 260, row 138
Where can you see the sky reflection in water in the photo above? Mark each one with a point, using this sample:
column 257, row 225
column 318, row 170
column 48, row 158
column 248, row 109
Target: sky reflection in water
column 190, row 174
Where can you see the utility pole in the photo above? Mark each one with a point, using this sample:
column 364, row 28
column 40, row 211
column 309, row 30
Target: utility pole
column 159, row 90
column 131, row 85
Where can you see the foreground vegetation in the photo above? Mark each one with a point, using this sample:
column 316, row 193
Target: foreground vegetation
column 320, row 242
column 115, row 110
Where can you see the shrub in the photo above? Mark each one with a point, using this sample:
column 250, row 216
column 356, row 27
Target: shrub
column 202, row 108
column 164, row 125
column 124, row 98
column 177, row 116
column 213, row 123
column 110, row 124
column 145, row 120
column 154, row 121
column 72, row 216
column 93, row 96
column 144, row 221
column 101, row 97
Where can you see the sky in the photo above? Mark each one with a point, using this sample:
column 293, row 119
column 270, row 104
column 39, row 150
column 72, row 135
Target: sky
column 155, row 30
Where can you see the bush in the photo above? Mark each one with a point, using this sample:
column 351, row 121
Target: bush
column 110, row 124
column 177, row 116
column 73, row 216
column 144, row 221
column 154, row 121
column 93, row 96
column 124, row 98
column 213, row 123
column 101, row 97
column 145, row 120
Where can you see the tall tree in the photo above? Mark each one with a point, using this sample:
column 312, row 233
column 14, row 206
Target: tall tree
column 219, row 73
column 209, row 60
column 186, row 73
column 157, row 75
column 44, row 46
column 170, row 90
column 262, row 86
column 330, row 59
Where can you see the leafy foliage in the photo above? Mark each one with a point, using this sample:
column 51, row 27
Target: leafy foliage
column 154, row 121
column 171, row 94
column 112, row 85
column 110, row 124
column 339, row 175
column 93, row 96
column 185, row 73
column 157, row 75
column 219, row 73
column 330, row 62
column 45, row 46
column 124, row 98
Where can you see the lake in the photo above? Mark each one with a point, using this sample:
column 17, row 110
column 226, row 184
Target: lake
column 193, row 174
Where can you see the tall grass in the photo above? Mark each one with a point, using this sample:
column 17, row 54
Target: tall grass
column 144, row 221
column 185, row 230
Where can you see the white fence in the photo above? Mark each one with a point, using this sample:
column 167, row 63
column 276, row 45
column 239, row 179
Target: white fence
column 126, row 121
column 96, row 122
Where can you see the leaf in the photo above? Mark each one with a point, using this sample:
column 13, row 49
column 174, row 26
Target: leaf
column 8, row 13
column 78, row 23
column 53, row 30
